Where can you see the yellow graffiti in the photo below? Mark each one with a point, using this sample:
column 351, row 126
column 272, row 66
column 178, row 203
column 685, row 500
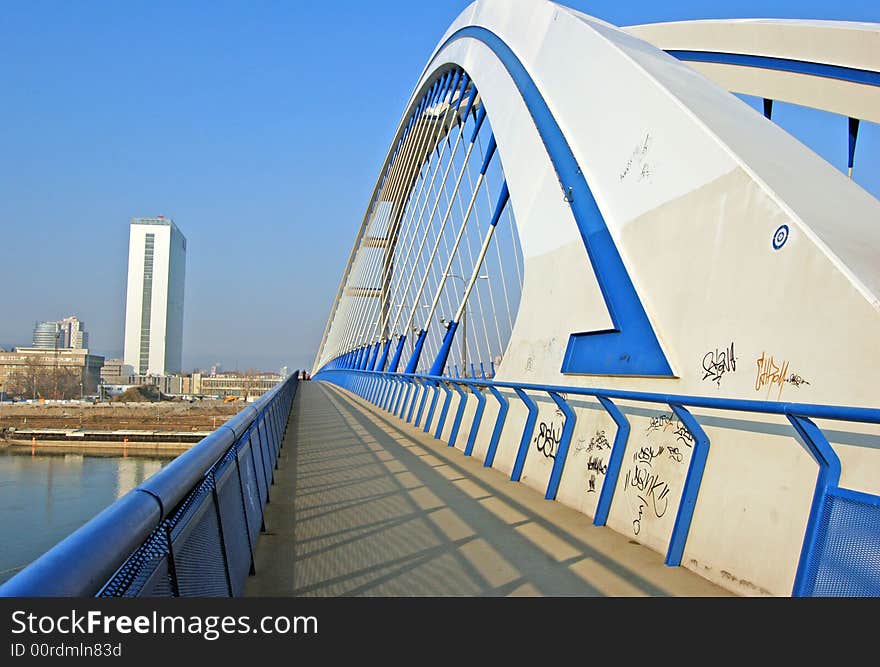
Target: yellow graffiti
column 770, row 373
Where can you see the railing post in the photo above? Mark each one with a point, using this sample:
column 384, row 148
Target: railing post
column 462, row 403
column 426, row 384
column 615, row 461
column 564, row 442
column 686, row 505
column 441, row 420
column 220, row 535
column 828, row 477
column 412, row 404
column 172, row 565
column 526, row 438
column 404, row 390
column 399, row 384
column 382, row 391
column 478, row 417
column 503, row 407
column 435, row 389
column 244, row 509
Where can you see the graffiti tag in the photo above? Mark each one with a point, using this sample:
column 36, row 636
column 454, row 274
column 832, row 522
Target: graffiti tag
column 547, row 439
column 718, row 362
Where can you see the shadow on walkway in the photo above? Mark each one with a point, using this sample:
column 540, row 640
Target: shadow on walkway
column 365, row 504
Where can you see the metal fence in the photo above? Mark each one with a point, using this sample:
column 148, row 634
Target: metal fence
column 189, row 530
column 841, row 549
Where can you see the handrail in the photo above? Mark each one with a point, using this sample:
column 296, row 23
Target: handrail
column 819, row 553
column 816, row 410
column 82, row 563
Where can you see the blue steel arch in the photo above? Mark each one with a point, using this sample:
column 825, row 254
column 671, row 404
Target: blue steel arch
column 631, row 347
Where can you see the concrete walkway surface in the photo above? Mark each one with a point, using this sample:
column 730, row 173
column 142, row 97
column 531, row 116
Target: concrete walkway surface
column 367, row 505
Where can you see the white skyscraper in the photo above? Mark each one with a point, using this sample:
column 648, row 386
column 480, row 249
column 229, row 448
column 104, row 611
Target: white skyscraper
column 154, row 302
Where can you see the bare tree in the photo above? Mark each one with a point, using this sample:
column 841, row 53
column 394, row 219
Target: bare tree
column 248, row 381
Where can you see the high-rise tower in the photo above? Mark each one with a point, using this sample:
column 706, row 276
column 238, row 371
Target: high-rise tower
column 154, row 302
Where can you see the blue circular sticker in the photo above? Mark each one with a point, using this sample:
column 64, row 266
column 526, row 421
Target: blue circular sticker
column 780, row 236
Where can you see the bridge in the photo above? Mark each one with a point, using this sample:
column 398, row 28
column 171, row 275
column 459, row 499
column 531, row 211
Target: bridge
column 605, row 329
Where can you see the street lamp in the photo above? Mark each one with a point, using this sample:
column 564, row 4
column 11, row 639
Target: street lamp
column 463, row 324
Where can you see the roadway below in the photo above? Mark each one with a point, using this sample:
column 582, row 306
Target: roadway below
column 366, row 505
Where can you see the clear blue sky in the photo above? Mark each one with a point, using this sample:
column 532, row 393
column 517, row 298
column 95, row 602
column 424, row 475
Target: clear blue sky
column 258, row 126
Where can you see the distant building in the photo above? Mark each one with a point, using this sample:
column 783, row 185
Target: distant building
column 116, row 371
column 283, row 372
column 154, row 301
column 67, row 333
column 172, row 385
column 46, row 335
column 31, row 372
column 232, row 384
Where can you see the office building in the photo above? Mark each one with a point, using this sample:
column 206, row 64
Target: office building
column 46, row 335
column 154, row 298
column 67, row 333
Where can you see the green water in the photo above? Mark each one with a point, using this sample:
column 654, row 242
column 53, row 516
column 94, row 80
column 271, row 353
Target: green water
column 44, row 498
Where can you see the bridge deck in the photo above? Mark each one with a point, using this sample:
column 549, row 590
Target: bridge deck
column 364, row 504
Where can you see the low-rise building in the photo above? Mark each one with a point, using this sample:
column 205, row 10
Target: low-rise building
column 172, row 385
column 245, row 385
column 30, row 372
column 116, row 371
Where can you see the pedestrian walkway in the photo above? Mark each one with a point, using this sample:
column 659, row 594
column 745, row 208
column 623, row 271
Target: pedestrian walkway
column 365, row 504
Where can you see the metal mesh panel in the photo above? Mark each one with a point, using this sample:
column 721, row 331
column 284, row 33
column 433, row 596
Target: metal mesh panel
column 156, row 585
column 235, row 534
column 198, row 554
column 258, row 459
column 846, row 558
column 195, row 563
column 264, row 449
column 145, row 573
column 251, row 484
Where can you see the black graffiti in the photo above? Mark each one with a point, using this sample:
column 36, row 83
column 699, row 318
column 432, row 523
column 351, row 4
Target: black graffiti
column 547, row 439
column 659, row 423
column 591, row 484
column 637, row 523
column 667, row 422
column 598, row 441
column 598, row 464
column 654, row 491
column 647, row 454
column 718, row 362
column 684, row 435
column 675, row 454
column 796, row 380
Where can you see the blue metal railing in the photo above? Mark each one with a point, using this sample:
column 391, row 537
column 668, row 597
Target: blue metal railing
column 189, row 530
column 843, row 529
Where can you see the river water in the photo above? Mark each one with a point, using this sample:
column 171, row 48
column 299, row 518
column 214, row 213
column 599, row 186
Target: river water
column 45, row 497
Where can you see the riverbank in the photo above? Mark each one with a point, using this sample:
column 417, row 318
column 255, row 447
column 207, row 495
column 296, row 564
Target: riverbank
column 97, row 447
column 200, row 416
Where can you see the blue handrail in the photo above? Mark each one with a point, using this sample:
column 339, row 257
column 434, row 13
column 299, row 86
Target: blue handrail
column 376, row 386
column 194, row 490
